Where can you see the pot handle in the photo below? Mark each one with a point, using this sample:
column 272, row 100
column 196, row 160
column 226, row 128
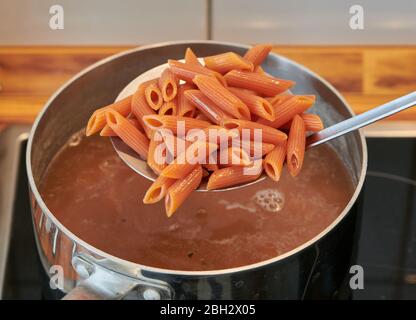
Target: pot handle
column 82, row 292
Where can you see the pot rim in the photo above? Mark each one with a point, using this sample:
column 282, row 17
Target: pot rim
column 141, row 267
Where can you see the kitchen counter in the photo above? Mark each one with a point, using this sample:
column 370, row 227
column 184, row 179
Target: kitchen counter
column 366, row 76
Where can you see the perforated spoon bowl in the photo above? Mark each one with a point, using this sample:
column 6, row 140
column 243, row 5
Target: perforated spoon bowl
column 140, row 166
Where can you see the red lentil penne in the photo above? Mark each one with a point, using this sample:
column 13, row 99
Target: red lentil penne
column 157, row 153
column 210, row 166
column 296, row 146
column 201, row 116
column 153, row 95
column 260, row 83
column 185, row 106
column 269, row 134
column 227, row 61
column 108, row 132
column 234, row 156
column 286, row 110
column 255, row 149
column 222, row 97
column 313, row 122
column 258, row 53
column 168, row 85
column 156, row 122
column 195, row 154
column 257, row 105
column 140, row 107
column 187, row 72
column 191, row 58
column 182, row 189
column 206, row 106
column 168, row 109
column 234, row 175
column 174, row 144
column 260, row 70
column 128, row 133
column 274, row 160
column 158, row 190
column 97, row 120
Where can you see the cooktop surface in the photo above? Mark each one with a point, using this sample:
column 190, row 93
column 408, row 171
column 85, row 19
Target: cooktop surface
column 386, row 248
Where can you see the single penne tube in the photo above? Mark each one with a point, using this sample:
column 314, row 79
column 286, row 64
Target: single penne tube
column 227, row 61
column 222, row 97
column 97, row 120
column 157, row 153
column 158, row 190
column 153, row 95
column 186, row 108
column 206, row 106
column 108, row 132
column 191, row 58
column 296, row 146
column 197, row 153
column 168, row 109
column 234, row 156
column 258, row 53
column 262, row 84
column 257, row 105
column 187, row 72
column 140, row 107
column 182, row 189
column 249, row 128
column 234, row 175
column 287, row 108
column 274, row 160
column 168, row 85
column 313, row 122
column 128, row 133
column 173, row 123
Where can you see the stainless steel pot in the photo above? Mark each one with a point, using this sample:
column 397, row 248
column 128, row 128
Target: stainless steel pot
column 316, row 268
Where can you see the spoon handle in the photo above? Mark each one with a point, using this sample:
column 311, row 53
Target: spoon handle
column 362, row 120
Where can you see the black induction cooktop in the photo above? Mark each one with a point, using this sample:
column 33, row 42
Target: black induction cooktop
column 386, row 248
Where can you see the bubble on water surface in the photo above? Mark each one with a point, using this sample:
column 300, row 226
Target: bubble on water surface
column 270, row 200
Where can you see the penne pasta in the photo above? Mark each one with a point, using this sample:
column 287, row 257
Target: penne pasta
column 234, row 175
column 191, row 58
column 222, row 97
column 197, row 153
column 153, row 95
column 268, row 134
column 312, row 122
column 182, row 189
column 258, row 53
column 296, row 146
column 128, row 133
column 208, row 108
column 260, row 83
column 273, row 162
column 260, row 70
column 227, row 61
column 288, row 108
column 168, row 109
column 234, row 156
column 187, row 72
column 186, row 108
column 174, row 144
column 97, row 120
column 173, row 123
column 108, row 132
column 168, row 85
column 140, row 107
column 279, row 99
column 158, row 190
column 210, row 166
column 256, row 149
column 201, row 116
column 257, row 105
column 157, row 153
